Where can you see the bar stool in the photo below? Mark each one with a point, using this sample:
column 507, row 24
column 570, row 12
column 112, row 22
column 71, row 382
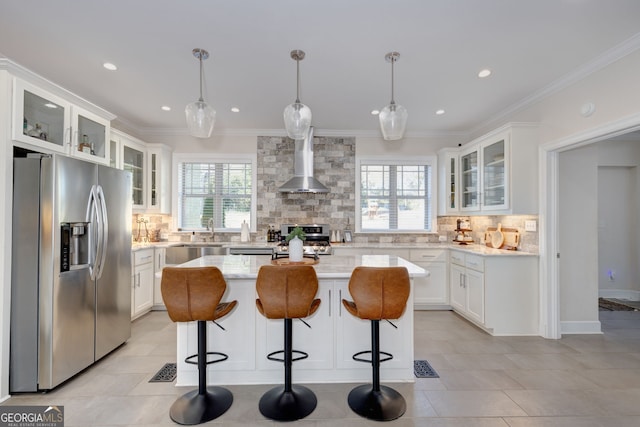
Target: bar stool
column 379, row 293
column 287, row 292
column 194, row 294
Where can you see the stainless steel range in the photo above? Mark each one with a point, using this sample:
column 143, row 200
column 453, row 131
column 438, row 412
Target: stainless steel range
column 318, row 237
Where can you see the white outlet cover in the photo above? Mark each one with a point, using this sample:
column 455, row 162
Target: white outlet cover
column 530, row 225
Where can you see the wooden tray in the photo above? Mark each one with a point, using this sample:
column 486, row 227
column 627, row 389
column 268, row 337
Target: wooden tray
column 286, row 261
column 511, row 238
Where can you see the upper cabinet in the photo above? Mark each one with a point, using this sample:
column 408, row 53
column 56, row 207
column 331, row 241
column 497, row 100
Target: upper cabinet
column 150, row 167
column 497, row 174
column 449, row 176
column 54, row 124
column 159, row 179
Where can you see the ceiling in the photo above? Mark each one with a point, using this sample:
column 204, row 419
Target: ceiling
column 529, row 45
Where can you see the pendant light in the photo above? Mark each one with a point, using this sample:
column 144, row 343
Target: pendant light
column 200, row 116
column 393, row 117
column 297, row 116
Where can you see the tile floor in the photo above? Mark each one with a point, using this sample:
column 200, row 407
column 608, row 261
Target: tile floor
column 580, row 380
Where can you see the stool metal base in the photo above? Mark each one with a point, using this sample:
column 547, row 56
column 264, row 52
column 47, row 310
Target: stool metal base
column 280, row 405
column 196, row 408
column 384, row 405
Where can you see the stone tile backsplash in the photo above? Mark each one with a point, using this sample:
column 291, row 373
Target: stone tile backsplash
column 334, row 166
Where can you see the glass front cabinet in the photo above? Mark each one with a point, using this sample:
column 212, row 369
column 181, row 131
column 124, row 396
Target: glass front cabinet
column 448, row 196
column 132, row 157
column 56, row 125
column 469, row 180
column 485, row 188
column 495, row 185
column 497, row 173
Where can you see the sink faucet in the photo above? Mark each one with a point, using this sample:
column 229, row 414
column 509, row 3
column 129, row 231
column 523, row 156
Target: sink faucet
column 210, row 225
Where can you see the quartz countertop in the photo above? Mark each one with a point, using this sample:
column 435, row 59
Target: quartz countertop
column 329, row 267
column 475, row 248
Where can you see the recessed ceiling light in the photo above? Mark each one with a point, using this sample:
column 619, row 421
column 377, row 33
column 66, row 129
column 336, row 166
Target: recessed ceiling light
column 235, row 109
column 440, row 112
column 109, row 66
column 484, row 73
column 375, row 112
column 166, row 108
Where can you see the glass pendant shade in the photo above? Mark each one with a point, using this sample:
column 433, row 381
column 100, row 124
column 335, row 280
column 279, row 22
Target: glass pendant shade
column 393, row 120
column 200, row 119
column 297, row 120
column 200, row 116
column 393, row 117
column 297, row 116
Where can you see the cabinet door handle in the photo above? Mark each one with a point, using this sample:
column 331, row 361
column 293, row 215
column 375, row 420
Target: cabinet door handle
column 464, row 280
column 138, row 279
column 330, row 302
column 340, row 303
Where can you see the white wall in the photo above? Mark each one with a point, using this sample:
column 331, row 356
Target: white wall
column 235, row 144
column 617, row 231
column 578, row 237
column 6, row 178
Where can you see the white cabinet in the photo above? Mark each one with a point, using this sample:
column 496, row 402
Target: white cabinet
column 497, row 173
column 467, row 285
column 132, row 158
column 158, row 265
column 497, row 293
column 448, row 176
column 341, row 250
column 430, row 292
column 353, row 335
column 55, row 124
column 158, row 179
column 150, row 167
column 142, row 282
column 316, row 340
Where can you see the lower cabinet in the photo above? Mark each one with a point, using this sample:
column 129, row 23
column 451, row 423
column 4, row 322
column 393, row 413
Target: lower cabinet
column 353, row 335
column 431, row 292
column 497, row 293
column 333, row 337
column 467, row 285
column 142, row 282
column 158, row 265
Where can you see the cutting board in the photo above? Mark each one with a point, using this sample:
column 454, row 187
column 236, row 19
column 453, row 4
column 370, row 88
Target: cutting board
column 511, row 238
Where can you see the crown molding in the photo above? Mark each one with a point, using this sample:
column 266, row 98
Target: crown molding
column 23, row 73
column 610, row 56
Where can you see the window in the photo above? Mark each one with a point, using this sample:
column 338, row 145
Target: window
column 215, row 191
column 395, row 195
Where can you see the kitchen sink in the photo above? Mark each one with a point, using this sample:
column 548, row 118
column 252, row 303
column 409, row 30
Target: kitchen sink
column 186, row 252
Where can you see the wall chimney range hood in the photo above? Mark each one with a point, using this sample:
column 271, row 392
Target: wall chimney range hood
column 303, row 180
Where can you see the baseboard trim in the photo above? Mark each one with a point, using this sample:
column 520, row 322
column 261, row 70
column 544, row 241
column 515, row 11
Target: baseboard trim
column 581, row 327
column 627, row 294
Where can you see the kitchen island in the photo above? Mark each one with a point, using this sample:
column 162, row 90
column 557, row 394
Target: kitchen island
column 332, row 339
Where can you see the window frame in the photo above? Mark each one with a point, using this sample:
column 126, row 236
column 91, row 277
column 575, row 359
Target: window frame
column 179, row 158
column 431, row 161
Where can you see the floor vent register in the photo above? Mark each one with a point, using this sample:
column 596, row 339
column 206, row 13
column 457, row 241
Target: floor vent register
column 166, row 374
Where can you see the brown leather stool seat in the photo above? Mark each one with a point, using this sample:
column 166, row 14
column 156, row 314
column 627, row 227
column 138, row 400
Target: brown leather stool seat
column 379, row 293
column 194, row 294
column 287, row 292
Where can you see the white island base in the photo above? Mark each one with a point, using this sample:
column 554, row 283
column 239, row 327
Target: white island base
column 333, row 338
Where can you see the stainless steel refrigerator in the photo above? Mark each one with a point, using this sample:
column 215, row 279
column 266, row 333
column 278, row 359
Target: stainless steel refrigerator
column 71, row 268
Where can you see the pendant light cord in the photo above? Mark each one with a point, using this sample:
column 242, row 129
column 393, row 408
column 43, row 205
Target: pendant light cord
column 297, row 81
column 393, row 60
column 201, row 72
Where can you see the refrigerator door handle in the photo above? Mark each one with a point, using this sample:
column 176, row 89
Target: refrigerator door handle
column 104, row 236
column 94, row 219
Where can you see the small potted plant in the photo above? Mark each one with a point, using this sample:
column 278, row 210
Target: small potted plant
column 294, row 239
